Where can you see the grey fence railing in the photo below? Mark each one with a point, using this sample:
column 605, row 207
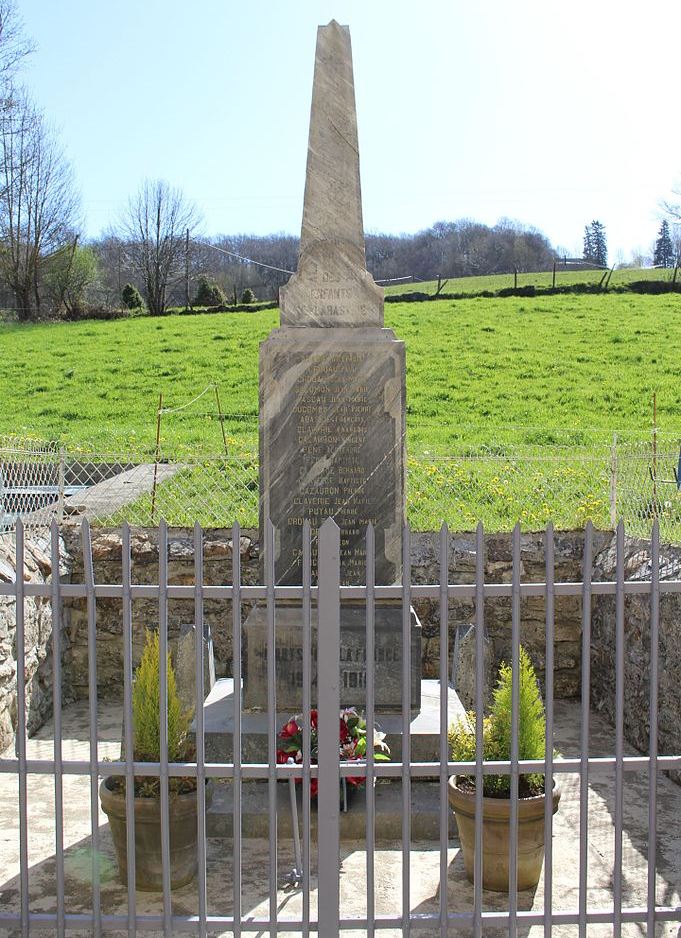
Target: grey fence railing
column 329, row 918
column 629, row 480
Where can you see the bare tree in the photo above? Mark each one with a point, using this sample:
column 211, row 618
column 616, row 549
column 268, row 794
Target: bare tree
column 14, row 46
column 38, row 201
column 155, row 226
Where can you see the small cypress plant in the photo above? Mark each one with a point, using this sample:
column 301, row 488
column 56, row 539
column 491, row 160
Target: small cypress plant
column 209, row 293
column 131, row 296
column 146, row 718
column 497, row 732
column 248, row 296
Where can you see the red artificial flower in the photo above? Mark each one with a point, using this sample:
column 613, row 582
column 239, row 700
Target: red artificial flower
column 313, row 719
column 289, row 730
column 344, row 734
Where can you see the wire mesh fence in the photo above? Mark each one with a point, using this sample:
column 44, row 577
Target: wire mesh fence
column 634, row 480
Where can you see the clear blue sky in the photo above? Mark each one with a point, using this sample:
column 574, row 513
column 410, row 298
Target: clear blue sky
column 550, row 113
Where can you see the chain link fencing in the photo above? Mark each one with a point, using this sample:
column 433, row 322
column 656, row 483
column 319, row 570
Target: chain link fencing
column 630, row 479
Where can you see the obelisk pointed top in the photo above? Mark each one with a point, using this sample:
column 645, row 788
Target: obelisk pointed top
column 333, row 200
column 332, row 286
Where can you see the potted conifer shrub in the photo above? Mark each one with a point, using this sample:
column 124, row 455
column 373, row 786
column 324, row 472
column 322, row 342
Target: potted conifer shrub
column 182, row 791
column 496, row 804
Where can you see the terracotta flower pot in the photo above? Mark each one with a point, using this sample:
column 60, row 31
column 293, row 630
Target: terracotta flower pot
column 148, row 859
column 496, row 834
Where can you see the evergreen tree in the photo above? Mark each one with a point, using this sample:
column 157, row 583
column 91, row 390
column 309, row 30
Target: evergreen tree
column 131, row 296
column 208, row 293
column 595, row 244
column 588, row 252
column 664, row 249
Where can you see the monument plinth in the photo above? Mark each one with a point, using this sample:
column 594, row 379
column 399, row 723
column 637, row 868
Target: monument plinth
column 332, row 414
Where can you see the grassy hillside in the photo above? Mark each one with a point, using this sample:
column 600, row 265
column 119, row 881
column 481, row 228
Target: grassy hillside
column 490, row 383
column 496, row 282
column 474, row 367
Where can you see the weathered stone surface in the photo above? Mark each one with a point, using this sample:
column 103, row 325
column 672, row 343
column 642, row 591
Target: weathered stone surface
column 144, row 553
column 332, row 286
column 424, row 569
column 332, row 406
column 184, row 663
column 637, row 647
column 464, row 669
column 289, row 657
column 37, row 640
column 332, row 395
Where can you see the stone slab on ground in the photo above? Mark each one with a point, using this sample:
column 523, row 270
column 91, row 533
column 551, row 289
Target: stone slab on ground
column 219, row 725
column 105, row 498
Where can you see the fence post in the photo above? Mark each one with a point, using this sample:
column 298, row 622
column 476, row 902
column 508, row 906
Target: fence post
column 613, row 481
column 328, row 685
column 61, row 480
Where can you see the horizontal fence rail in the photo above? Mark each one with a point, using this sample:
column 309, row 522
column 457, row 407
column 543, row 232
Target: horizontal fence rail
column 318, row 868
column 598, row 480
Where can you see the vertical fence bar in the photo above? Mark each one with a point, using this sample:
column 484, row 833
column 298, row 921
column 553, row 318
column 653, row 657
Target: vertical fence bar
column 199, row 721
column 406, row 730
column 128, row 729
column 652, row 750
column 163, row 721
column 371, row 719
column 21, row 728
column 619, row 731
column 584, row 740
column 328, row 689
column 61, row 480
column 56, row 709
column 271, row 725
column 479, row 707
column 444, row 714
column 549, row 551
column 236, row 744
column 515, row 698
column 613, row 481
column 307, row 708
column 91, row 603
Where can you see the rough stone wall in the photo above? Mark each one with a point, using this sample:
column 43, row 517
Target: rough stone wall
column 568, row 549
column 38, row 640
column 107, row 560
column 425, row 569
column 637, row 566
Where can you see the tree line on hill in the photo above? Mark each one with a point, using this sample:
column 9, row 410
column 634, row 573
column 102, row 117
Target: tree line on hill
column 157, row 258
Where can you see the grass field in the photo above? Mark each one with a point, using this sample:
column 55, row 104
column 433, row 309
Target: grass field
column 474, row 367
column 496, row 282
column 525, row 393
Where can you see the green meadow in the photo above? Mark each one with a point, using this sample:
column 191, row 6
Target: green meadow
column 491, row 384
column 494, row 282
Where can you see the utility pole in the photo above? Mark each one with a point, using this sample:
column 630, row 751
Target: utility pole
column 186, row 271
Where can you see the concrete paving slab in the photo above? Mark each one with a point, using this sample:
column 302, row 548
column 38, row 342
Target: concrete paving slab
column 106, row 497
column 424, row 857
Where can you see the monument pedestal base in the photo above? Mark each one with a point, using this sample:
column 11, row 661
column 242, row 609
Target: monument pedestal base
column 425, row 747
column 289, row 657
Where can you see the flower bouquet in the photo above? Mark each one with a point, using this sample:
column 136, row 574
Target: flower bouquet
column 352, row 743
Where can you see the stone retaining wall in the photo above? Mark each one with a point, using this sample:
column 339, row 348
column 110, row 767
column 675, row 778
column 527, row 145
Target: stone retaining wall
column 637, row 648
column 425, row 569
column 38, row 640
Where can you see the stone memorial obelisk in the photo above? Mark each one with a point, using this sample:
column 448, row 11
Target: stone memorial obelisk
column 332, row 410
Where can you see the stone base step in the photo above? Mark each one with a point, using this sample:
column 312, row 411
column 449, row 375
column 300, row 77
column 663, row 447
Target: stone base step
column 425, row 812
column 424, row 727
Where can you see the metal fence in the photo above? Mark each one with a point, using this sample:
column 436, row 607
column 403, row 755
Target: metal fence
column 330, row 918
column 604, row 482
